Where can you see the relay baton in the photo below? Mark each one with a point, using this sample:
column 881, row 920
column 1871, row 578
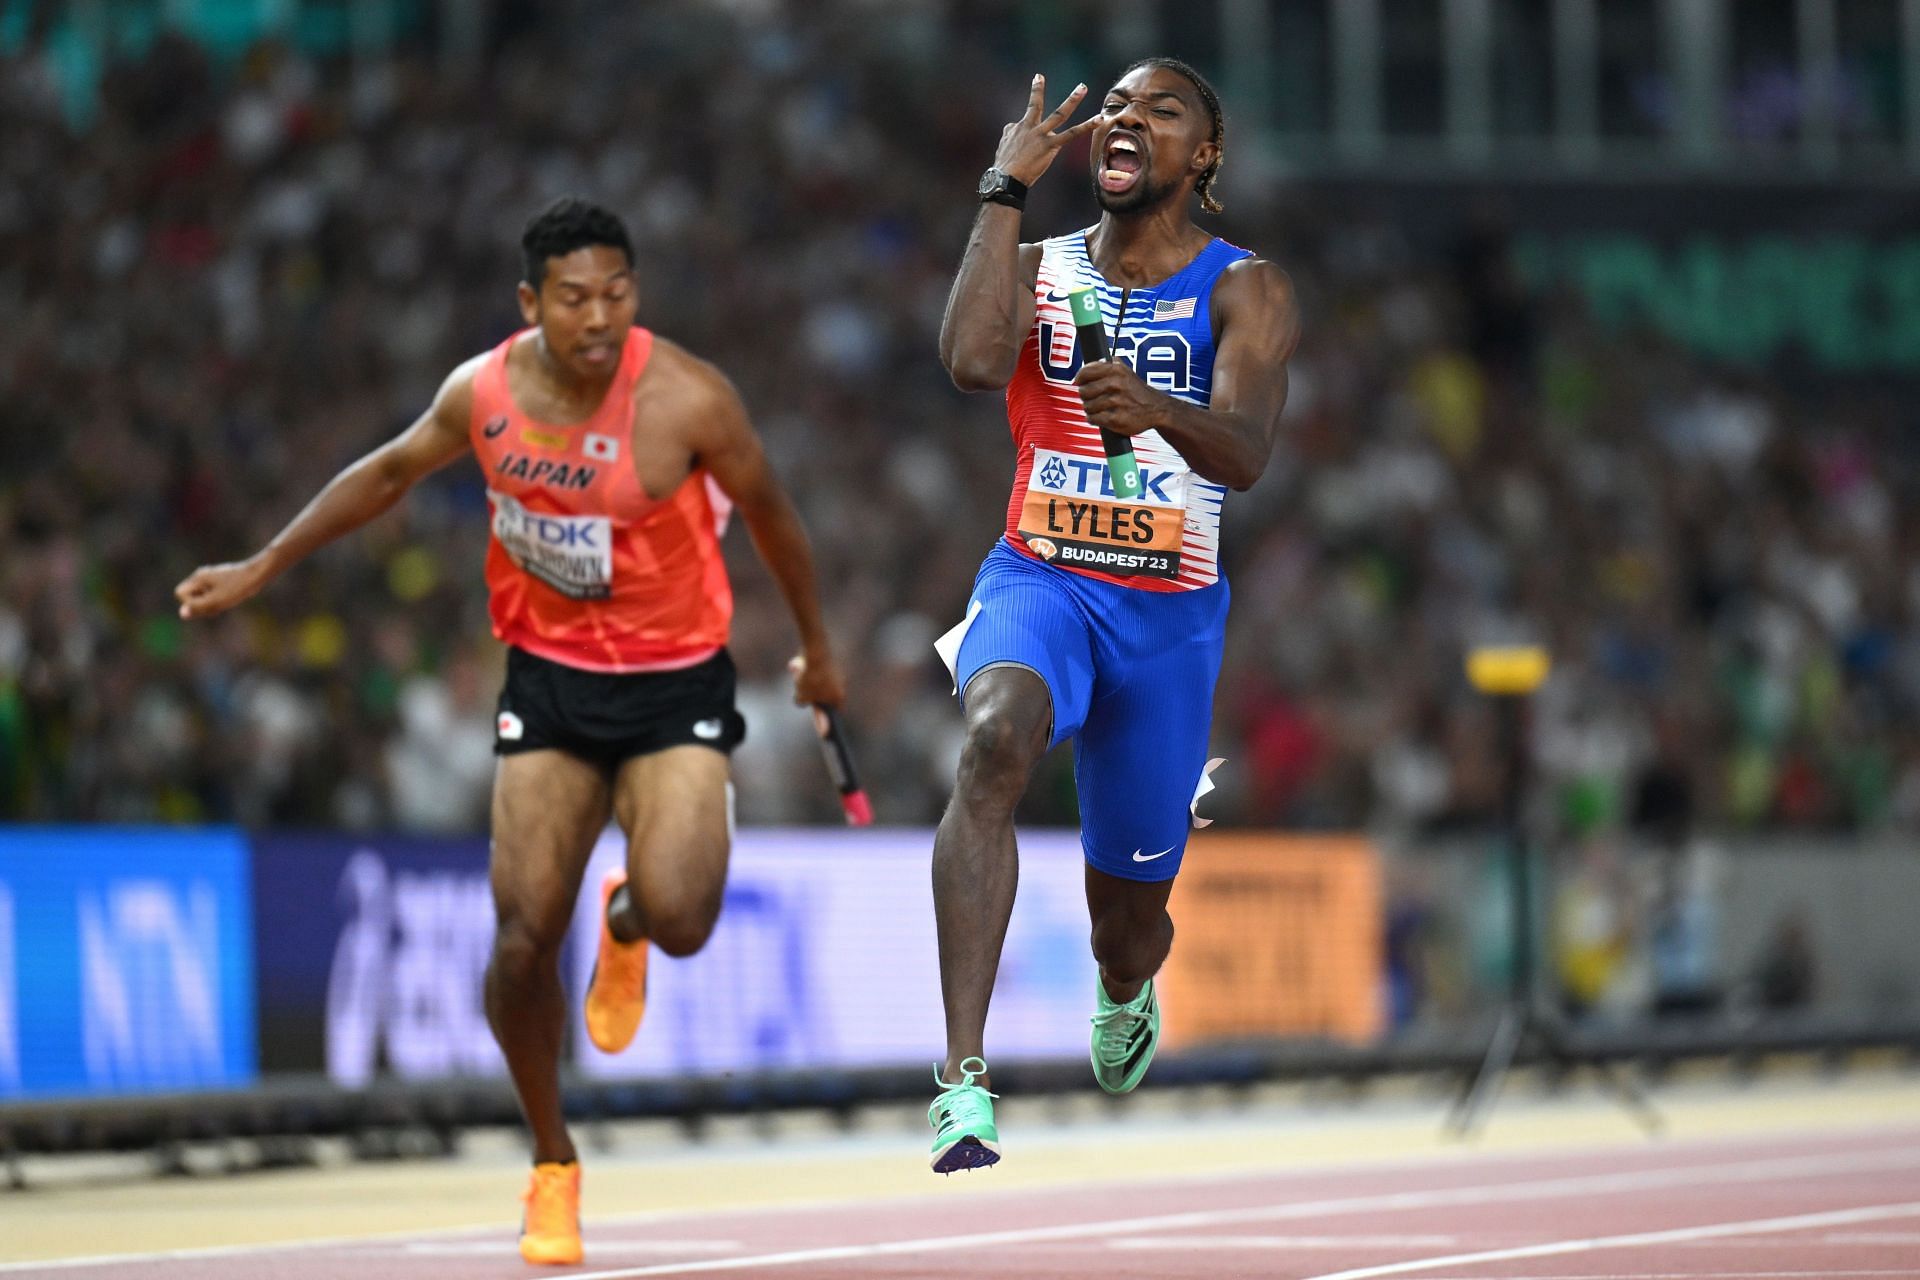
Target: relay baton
column 1122, row 470
column 833, row 745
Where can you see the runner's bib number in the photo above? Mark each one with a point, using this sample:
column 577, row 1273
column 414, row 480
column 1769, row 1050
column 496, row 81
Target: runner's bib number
column 1071, row 517
column 571, row 554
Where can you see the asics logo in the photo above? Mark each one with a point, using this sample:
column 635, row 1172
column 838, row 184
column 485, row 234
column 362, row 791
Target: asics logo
column 1149, row 857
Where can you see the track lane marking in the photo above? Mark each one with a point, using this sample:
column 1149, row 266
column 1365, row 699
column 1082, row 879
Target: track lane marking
column 1636, row 1240
column 1532, row 1190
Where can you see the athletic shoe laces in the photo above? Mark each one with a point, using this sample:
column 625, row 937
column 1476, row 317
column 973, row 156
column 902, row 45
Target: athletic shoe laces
column 961, row 1105
column 1116, row 1026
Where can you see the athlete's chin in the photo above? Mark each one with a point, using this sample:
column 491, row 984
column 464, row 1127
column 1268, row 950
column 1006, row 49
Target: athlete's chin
column 1134, row 198
column 596, row 361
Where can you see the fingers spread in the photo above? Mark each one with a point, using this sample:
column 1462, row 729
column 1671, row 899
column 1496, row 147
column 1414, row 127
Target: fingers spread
column 1065, row 109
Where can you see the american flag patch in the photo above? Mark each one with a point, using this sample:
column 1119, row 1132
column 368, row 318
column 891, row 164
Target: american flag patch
column 1181, row 310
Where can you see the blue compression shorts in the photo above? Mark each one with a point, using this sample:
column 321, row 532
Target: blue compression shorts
column 1131, row 673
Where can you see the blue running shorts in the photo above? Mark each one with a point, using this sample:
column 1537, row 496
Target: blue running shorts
column 1131, row 673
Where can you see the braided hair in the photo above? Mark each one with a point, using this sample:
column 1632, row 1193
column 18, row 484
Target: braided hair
column 1218, row 135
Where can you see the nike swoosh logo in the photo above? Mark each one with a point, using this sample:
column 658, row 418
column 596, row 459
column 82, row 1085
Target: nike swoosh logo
column 1056, row 295
column 1149, row 857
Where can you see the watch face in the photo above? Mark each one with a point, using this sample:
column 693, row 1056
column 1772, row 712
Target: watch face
column 989, row 182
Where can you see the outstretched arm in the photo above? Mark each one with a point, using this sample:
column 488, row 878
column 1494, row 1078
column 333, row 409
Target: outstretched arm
column 729, row 449
column 365, row 489
column 1229, row 443
column 990, row 308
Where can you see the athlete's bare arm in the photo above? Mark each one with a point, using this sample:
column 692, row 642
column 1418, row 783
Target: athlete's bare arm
column 358, row 494
column 704, row 404
column 1257, row 325
column 990, row 308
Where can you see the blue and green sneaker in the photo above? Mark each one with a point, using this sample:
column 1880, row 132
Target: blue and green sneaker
column 962, row 1120
column 1124, row 1037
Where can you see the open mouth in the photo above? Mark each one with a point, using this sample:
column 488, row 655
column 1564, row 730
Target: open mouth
column 1121, row 165
column 597, row 354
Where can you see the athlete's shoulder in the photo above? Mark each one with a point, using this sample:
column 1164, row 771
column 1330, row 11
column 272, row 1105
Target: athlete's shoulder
column 1256, row 272
column 467, row 372
column 678, row 380
column 672, row 367
column 1256, row 286
column 454, row 402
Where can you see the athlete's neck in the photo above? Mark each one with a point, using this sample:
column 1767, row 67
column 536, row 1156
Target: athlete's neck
column 1142, row 248
column 563, row 384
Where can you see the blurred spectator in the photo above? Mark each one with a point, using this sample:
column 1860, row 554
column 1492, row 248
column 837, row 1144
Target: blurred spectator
column 1786, row 976
column 1593, row 932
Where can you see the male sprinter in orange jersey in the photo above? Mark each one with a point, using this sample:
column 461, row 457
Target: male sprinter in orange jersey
column 612, row 458
column 1098, row 616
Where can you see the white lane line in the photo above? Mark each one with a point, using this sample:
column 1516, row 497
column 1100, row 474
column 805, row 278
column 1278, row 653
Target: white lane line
column 1482, row 1193
column 1825, row 1273
column 1378, row 1166
column 508, row 1246
column 1282, row 1242
column 1639, row 1239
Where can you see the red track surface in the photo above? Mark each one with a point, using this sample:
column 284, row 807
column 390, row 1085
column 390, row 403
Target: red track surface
column 1832, row 1208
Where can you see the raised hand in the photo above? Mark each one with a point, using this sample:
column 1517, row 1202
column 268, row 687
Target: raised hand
column 1029, row 144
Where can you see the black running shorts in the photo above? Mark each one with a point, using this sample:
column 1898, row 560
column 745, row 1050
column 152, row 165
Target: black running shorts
column 608, row 718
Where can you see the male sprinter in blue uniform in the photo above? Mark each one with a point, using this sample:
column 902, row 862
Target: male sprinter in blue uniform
column 1097, row 618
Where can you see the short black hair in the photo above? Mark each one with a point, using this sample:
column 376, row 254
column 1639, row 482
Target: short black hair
column 567, row 224
column 1217, row 136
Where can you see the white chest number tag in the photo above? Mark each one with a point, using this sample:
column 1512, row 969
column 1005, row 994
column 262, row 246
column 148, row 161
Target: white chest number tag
column 571, row 554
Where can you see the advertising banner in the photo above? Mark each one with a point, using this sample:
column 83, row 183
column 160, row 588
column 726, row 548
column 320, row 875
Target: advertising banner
column 825, row 956
column 125, row 961
column 1275, row 936
column 373, row 952
column 372, row 956
column 1825, row 274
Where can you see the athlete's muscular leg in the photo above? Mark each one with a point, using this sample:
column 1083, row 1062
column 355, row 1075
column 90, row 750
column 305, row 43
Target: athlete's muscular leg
column 673, row 806
column 548, row 809
column 975, row 863
column 1132, row 931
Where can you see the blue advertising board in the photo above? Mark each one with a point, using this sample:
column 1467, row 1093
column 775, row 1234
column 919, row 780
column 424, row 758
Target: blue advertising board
column 372, row 954
column 126, row 961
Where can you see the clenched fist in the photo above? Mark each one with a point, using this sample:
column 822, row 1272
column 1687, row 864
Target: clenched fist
column 215, row 588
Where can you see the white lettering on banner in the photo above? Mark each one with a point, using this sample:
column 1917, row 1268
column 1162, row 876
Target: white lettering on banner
column 821, row 959
column 356, row 982
column 571, row 554
column 9, row 1001
column 436, row 1024
column 408, row 973
column 150, row 983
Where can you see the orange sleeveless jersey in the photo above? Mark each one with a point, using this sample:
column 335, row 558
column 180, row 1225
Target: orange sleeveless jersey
column 583, row 568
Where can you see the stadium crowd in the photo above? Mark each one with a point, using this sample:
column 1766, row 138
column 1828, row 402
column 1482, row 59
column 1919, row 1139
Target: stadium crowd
column 239, row 277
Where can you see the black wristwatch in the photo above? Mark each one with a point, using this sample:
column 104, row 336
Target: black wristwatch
column 1001, row 187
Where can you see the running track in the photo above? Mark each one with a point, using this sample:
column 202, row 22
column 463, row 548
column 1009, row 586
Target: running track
column 1832, row 1207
